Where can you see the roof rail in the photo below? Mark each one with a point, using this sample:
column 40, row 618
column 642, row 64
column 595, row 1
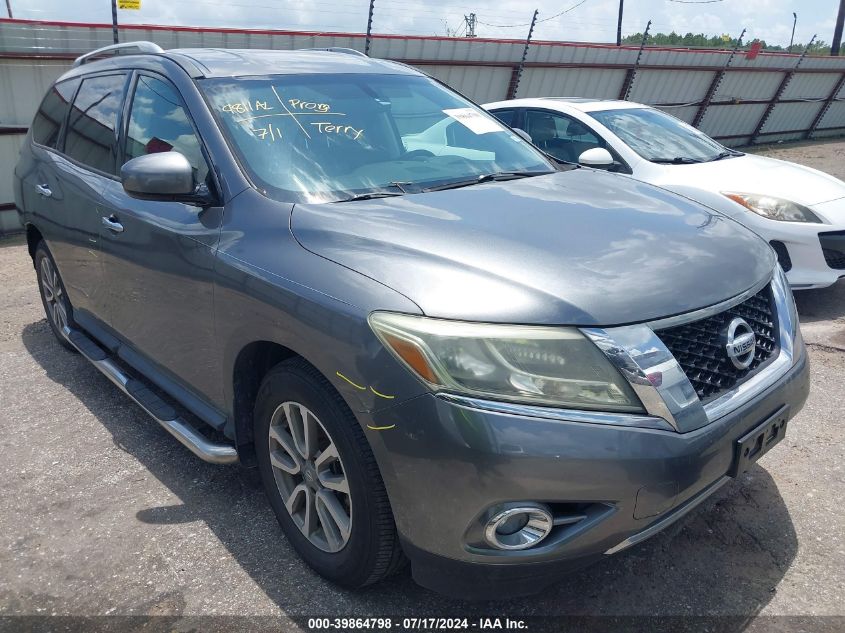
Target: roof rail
column 127, row 48
column 336, row 49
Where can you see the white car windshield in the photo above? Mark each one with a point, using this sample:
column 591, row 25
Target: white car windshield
column 332, row 137
column 661, row 138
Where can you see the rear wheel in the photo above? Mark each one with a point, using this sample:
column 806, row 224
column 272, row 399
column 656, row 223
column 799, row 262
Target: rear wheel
column 321, row 478
column 53, row 296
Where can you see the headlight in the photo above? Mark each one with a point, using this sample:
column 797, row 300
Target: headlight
column 774, row 208
column 537, row 365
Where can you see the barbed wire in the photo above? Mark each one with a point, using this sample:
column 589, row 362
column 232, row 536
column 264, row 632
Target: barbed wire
column 556, row 15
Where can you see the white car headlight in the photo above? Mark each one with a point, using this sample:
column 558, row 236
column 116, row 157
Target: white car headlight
column 773, row 208
column 552, row 366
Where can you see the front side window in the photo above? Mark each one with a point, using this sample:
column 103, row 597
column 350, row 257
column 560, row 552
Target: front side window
column 158, row 122
column 93, row 118
column 659, row 137
column 505, row 116
column 329, row 137
column 562, row 136
column 50, row 116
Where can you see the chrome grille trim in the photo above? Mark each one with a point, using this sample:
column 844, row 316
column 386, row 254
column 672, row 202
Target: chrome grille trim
column 703, row 313
column 638, row 353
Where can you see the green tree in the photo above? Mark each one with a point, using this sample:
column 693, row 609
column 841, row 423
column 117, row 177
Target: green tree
column 700, row 40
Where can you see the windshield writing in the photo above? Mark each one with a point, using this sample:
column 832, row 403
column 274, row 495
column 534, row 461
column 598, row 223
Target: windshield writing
column 323, row 138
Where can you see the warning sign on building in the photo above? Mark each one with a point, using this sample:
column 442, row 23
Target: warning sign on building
column 129, row 4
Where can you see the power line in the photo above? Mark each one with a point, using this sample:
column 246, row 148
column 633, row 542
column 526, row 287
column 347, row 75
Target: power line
column 556, row 15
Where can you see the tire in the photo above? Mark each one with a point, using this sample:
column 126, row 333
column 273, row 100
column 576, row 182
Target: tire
column 53, row 296
column 294, row 395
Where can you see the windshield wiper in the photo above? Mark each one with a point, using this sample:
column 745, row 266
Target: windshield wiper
column 379, row 193
column 726, row 154
column 678, row 160
column 371, row 196
column 499, row 175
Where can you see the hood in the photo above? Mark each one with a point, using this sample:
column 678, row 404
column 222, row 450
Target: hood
column 757, row 174
column 581, row 247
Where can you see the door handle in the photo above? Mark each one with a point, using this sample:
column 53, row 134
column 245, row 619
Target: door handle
column 112, row 224
column 43, row 190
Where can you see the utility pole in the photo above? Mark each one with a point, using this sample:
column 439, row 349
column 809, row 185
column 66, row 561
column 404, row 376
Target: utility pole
column 792, row 37
column 369, row 28
column 9, row 8
column 619, row 24
column 837, row 32
column 470, row 22
column 114, row 21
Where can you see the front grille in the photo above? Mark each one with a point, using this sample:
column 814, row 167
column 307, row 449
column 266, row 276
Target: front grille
column 781, row 251
column 833, row 248
column 699, row 348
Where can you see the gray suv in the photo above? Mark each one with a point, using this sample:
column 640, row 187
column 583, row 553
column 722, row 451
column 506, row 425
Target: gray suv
column 435, row 343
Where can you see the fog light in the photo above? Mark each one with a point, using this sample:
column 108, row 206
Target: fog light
column 518, row 528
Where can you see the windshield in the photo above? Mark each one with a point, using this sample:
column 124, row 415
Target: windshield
column 659, row 137
column 329, row 137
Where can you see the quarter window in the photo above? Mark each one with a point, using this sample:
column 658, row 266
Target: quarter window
column 158, row 122
column 93, row 118
column 50, row 116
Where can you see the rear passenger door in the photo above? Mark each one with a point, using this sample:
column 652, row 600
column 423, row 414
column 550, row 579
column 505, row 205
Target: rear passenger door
column 85, row 168
column 42, row 193
column 159, row 256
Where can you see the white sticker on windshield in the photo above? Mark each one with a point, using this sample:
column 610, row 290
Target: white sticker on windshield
column 474, row 120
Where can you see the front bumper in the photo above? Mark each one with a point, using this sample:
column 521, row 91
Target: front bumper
column 805, row 244
column 445, row 465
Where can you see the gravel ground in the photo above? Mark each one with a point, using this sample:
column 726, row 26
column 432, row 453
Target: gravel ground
column 102, row 513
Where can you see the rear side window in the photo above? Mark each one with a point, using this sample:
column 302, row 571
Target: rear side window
column 158, row 122
column 91, row 137
column 50, row 116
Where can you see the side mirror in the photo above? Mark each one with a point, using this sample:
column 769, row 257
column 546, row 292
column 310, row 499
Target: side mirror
column 163, row 176
column 523, row 134
column 597, row 157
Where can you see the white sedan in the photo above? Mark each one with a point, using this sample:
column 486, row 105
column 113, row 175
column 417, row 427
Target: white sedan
column 800, row 211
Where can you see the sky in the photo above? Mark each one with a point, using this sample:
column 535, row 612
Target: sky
column 586, row 21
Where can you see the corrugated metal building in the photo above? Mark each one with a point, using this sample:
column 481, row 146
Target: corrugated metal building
column 762, row 99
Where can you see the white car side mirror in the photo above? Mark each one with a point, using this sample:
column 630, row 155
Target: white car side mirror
column 522, row 133
column 597, row 157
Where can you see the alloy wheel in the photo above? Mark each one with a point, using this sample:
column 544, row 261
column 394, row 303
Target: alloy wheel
column 51, row 288
column 310, row 477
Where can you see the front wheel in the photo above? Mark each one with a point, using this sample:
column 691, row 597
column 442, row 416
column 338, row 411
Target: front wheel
column 321, row 478
column 53, row 296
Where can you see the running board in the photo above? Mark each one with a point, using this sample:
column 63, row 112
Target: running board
column 157, row 408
